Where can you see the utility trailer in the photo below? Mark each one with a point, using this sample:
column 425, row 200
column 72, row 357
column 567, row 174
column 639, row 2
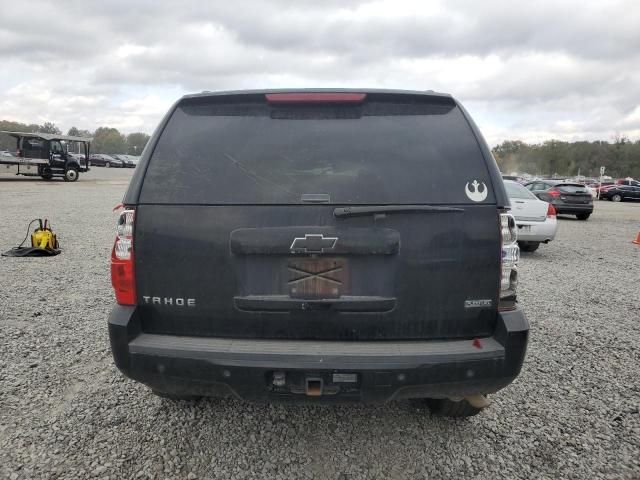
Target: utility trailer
column 46, row 155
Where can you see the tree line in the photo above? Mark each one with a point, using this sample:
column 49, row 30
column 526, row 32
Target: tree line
column 621, row 158
column 105, row 139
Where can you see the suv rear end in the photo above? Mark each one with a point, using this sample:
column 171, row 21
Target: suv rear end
column 325, row 246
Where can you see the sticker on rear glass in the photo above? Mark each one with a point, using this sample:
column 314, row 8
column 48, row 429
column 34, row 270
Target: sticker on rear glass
column 477, row 194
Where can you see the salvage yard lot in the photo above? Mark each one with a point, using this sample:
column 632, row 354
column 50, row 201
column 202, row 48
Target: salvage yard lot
column 66, row 412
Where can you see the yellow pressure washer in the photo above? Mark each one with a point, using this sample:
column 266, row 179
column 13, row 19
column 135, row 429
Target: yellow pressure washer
column 43, row 237
column 44, row 242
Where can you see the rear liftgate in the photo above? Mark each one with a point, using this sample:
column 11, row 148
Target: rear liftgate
column 310, row 251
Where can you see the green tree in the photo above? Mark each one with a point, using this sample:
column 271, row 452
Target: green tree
column 50, row 127
column 76, row 132
column 634, row 157
column 136, row 142
column 108, row 140
column 621, row 158
column 77, row 146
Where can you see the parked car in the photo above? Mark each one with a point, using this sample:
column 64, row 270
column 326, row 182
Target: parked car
column 268, row 262
column 597, row 185
column 6, row 153
column 135, row 159
column 619, row 193
column 536, row 219
column 541, row 185
column 126, row 161
column 628, row 181
column 515, row 178
column 598, row 189
column 103, row 160
column 567, row 198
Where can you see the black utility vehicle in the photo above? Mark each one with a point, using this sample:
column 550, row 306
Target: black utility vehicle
column 325, row 246
column 46, row 155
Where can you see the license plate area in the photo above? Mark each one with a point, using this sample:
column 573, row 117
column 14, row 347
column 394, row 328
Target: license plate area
column 576, row 199
column 313, row 384
column 318, row 277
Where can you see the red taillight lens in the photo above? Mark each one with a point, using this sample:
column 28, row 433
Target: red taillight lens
column 310, row 97
column 123, row 280
column 554, row 193
column 123, row 276
column 551, row 211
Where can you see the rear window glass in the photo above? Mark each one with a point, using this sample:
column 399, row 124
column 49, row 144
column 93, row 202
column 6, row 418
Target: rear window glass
column 569, row 188
column 372, row 153
column 515, row 190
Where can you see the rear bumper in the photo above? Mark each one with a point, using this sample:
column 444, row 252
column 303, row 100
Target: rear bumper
column 367, row 372
column 573, row 208
column 537, row 231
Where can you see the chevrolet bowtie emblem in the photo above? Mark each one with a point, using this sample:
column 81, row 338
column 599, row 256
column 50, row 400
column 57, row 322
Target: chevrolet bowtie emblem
column 313, row 243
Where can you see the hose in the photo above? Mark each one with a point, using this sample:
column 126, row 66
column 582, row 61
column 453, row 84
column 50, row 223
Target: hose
column 27, row 235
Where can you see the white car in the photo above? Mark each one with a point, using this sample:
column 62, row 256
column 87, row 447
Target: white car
column 536, row 219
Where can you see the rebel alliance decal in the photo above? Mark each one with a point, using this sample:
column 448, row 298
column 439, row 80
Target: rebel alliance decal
column 476, row 194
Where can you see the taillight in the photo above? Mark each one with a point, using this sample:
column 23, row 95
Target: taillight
column 509, row 261
column 551, row 211
column 122, row 267
column 554, row 193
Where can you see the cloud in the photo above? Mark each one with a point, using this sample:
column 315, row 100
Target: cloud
column 530, row 71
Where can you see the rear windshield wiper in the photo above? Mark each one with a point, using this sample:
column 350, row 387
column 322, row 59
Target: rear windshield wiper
column 342, row 212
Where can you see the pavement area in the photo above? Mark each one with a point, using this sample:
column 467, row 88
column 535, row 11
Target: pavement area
column 67, row 413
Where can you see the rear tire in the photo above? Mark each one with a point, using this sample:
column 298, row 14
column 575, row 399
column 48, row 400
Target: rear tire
column 46, row 173
column 443, row 407
column 176, row 397
column 107, row 165
column 528, row 246
column 583, row 216
column 616, row 198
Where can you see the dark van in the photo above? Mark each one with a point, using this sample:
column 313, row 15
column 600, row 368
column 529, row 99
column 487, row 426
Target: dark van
column 320, row 246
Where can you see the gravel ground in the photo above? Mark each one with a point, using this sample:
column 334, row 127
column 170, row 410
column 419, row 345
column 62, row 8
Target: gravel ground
column 66, row 412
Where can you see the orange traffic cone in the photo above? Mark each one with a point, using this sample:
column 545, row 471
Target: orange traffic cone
column 637, row 240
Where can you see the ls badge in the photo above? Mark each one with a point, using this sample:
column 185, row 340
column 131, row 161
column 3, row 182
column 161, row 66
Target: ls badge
column 476, row 194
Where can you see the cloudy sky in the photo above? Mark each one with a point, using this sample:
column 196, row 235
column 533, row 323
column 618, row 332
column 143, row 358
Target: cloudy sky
column 538, row 70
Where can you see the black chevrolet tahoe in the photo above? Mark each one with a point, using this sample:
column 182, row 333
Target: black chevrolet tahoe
column 319, row 246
